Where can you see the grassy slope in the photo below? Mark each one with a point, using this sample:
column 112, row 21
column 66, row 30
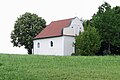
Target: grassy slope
column 30, row 67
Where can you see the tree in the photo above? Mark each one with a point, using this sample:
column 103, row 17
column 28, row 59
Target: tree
column 86, row 23
column 26, row 27
column 107, row 22
column 88, row 42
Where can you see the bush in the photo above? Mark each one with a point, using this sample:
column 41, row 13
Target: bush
column 88, row 42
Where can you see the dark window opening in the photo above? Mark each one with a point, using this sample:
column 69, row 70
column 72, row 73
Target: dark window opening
column 51, row 43
column 38, row 45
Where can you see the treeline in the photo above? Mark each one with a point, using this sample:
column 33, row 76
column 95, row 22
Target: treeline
column 102, row 33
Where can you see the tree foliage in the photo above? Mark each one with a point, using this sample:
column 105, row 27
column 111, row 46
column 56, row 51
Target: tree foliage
column 88, row 42
column 86, row 23
column 107, row 22
column 26, row 27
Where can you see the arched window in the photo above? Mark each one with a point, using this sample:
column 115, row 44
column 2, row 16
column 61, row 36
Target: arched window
column 38, row 45
column 51, row 43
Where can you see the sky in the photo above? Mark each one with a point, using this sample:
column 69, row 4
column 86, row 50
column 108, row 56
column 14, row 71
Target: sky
column 50, row 10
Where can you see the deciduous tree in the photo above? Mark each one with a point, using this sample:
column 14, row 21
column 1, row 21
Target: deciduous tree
column 26, row 27
column 107, row 22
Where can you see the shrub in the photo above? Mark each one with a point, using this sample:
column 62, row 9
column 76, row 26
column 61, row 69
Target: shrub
column 88, row 42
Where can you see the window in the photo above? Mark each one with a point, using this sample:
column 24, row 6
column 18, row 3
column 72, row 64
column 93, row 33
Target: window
column 51, row 43
column 38, row 45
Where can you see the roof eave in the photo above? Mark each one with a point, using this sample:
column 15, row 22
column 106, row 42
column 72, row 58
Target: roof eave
column 52, row 37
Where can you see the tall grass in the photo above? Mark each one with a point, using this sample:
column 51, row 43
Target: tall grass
column 34, row 67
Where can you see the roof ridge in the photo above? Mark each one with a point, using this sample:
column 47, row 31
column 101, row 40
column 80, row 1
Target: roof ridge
column 62, row 20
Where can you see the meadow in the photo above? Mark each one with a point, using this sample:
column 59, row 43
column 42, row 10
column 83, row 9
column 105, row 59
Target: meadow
column 35, row 67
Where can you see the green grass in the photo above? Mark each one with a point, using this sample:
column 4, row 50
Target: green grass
column 33, row 67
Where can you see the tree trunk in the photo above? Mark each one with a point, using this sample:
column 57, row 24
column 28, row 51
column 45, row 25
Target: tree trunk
column 109, row 50
column 29, row 51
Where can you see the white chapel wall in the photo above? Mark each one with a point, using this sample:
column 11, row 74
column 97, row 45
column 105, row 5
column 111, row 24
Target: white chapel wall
column 74, row 28
column 69, row 47
column 45, row 47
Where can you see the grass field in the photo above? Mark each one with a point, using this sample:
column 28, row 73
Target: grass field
column 33, row 67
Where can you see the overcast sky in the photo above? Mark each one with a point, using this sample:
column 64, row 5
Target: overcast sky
column 50, row 10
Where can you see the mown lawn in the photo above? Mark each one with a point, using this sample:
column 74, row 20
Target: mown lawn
column 34, row 67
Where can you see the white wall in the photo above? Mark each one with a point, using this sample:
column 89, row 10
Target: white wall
column 46, row 49
column 62, row 46
column 68, row 31
column 76, row 26
column 69, row 47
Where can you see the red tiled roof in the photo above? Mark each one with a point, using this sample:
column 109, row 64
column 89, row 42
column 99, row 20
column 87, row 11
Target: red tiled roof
column 54, row 29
